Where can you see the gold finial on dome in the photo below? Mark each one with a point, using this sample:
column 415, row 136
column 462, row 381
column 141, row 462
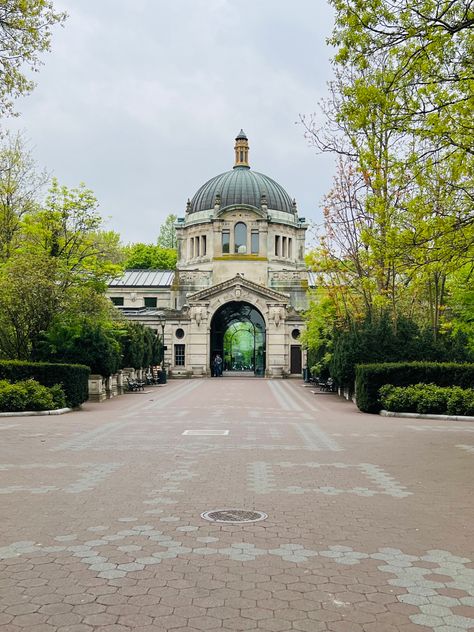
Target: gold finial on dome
column 241, row 150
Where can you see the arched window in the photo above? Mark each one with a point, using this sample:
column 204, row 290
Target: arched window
column 240, row 238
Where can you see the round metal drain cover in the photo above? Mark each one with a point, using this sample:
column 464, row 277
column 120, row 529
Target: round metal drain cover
column 233, row 515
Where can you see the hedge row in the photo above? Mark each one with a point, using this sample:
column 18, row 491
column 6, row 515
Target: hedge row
column 73, row 378
column 30, row 395
column 371, row 377
column 428, row 399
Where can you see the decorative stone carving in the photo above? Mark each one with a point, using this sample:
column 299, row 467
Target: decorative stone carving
column 198, row 314
column 288, row 275
column 195, row 277
column 277, row 314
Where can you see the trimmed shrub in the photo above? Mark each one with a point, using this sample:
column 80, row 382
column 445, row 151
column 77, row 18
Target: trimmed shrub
column 461, row 401
column 428, row 399
column 371, row 377
column 59, row 398
column 397, row 398
column 30, row 395
column 72, row 378
column 431, row 398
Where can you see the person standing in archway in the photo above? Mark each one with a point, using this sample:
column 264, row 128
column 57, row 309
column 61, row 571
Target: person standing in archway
column 218, row 365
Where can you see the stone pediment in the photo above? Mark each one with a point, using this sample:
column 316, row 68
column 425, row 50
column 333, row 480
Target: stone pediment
column 237, row 286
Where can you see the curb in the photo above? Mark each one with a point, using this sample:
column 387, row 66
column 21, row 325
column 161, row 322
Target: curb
column 388, row 413
column 36, row 413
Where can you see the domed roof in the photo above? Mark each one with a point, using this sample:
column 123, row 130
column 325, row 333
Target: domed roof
column 241, row 185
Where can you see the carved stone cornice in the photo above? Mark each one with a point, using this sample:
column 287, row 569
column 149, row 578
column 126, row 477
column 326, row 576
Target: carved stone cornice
column 238, row 288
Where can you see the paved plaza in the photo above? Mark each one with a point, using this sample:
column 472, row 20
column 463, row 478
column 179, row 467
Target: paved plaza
column 370, row 521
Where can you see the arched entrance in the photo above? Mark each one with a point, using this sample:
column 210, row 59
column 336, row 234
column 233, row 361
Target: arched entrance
column 238, row 335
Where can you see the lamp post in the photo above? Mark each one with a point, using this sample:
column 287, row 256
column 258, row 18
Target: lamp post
column 161, row 322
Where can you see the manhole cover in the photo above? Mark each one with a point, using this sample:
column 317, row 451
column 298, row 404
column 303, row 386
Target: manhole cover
column 233, row 515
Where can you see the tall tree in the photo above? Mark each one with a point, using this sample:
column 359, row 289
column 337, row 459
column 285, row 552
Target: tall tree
column 29, row 298
column 167, row 237
column 20, row 188
column 69, row 229
column 25, row 33
column 398, row 221
column 59, row 267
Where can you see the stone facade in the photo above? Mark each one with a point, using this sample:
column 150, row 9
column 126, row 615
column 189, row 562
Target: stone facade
column 246, row 249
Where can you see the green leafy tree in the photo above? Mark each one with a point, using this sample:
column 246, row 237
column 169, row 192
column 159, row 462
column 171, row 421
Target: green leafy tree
column 460, row 305
column 25, row 33
column 58, row 267
column 133, row 345
column 318, row 335
column 156, row 350
column 29, row 298
column 149, row 340
column 149, row 257
column 167, row 237
column 140, row 346
column 69, row 229
column 431, row 45
column 20, row 187
column 398, row 221
column 80, row 341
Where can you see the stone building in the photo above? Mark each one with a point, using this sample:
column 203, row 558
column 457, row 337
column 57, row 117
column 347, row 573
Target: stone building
column 240, row 286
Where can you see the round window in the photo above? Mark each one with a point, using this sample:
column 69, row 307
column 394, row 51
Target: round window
column 295, row 334
column 179, row 333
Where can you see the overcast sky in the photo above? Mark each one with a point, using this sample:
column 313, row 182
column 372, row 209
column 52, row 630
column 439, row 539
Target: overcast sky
column 142, row 100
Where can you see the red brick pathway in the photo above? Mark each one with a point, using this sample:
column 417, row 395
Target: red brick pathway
column 369, row 528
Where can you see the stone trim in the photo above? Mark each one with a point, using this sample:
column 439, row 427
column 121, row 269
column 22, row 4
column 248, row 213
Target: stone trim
column 37, row 413
column 388, row 413
column 242, row 282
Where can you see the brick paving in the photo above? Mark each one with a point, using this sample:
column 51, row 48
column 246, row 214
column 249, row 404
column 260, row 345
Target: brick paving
column 369, row 527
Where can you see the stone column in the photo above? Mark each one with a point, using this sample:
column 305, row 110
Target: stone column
column 113, row 385
column 276, row 342
column 120, row 384
column 197, row 344
column 96, row 389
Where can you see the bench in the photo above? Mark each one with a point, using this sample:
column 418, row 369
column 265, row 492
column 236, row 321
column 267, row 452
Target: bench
column 135, row 385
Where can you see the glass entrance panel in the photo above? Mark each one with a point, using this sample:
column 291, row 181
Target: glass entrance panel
column 238, row 335
column 239, row 343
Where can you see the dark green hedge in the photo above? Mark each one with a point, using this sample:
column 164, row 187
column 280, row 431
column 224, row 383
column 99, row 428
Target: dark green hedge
column 428, row 399
column 370, row 377
column 30, row 395
column 73, row 378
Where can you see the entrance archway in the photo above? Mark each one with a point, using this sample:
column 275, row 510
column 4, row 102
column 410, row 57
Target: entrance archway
column 238, row 336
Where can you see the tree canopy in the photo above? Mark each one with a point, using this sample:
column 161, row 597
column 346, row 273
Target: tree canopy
column 25, row 33
column 167, row 236
column 55, row 257
column 149, row 256
column 398, row 221
column 431, row 45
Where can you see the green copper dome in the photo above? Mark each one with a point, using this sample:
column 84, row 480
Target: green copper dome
column 241, row 185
